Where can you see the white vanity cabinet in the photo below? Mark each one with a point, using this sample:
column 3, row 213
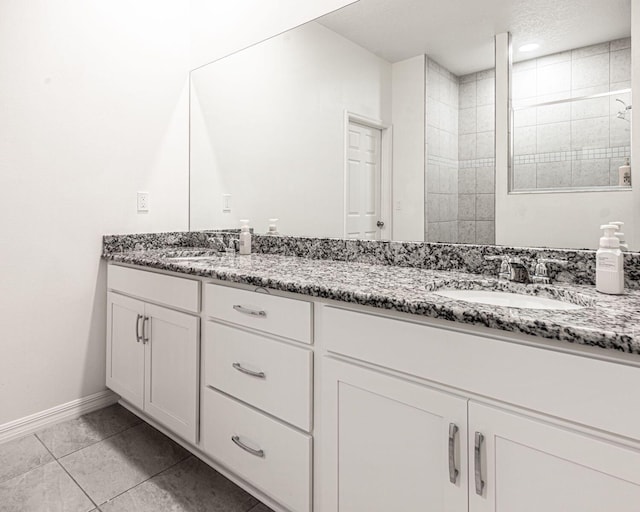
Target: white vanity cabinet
column 392, row 444
column 393, row 391
column 152, row 351
column 257, row 382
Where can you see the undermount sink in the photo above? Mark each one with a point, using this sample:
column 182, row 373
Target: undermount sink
column 191, row 258
column 508, row 299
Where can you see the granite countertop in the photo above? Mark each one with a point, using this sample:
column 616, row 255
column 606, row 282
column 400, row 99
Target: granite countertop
column 609, row 322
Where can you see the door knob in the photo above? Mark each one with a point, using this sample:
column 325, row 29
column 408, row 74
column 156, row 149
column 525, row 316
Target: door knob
column 380, row 224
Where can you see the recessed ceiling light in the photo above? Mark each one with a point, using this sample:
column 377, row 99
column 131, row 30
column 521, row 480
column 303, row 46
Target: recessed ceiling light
column 529, row 47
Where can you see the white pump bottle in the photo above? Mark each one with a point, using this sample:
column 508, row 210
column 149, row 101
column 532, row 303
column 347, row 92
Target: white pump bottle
column 609, row 263
column 245, row 238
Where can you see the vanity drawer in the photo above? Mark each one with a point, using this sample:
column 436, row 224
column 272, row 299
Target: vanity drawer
column 171, row 291
column 281, row 470
column 283, row 384
column 285, row 317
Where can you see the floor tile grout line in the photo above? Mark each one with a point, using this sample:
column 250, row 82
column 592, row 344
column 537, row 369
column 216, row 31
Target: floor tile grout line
column 99, row 441
column 189, row 455
column 95, row 505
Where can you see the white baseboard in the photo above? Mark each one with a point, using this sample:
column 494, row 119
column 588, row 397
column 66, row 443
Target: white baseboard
column 62, row 412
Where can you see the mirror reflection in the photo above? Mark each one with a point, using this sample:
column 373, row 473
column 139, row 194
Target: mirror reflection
column 376, row 122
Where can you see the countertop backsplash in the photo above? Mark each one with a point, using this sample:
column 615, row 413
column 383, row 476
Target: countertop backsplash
column 579, row 269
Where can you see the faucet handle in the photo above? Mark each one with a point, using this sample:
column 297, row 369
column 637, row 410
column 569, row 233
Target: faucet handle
column 541, row 273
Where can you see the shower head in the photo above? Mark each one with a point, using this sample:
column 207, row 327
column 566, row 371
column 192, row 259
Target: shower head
column 622, row 114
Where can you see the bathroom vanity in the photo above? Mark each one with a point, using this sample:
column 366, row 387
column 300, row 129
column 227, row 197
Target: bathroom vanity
column 336, row 386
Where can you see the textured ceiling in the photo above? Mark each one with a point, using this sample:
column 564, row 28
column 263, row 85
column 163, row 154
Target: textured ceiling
column 459, row 33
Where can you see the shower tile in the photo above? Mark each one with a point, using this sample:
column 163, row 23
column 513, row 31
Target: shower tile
column 485, row 92
column 620, row 132
column 590, row 173
column 467, row 232
column 524, row 176
column 555, row 58
column 485, row 118
column 595, row 107
column 467, row 147
column 553, row 175
column 467, row 95
column 588, row 51
column 590, row 133
column 620, row 44
column 524, row 65
column 525, row 117
column 487, row 73
column 524, row 84
column 590, row 71
column 466, row 207
column 485, row 232
column 554, row 78
column 485, row 180
column 433, row 208
column 433, row 141
column 467, row 181
column 620, row 65
column 485, row 206
column 553, row 113
column 433, row 179
column 485, row 145
column 471, row 77
column 524, row 140
column 467, row 121
column 433, row 113
column 553, row 137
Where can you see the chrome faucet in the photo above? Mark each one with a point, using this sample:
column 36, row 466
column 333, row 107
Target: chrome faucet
column 515, row 270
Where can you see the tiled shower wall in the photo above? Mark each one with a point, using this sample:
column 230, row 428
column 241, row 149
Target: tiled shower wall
column 460, row 200
column 476, row 155
column 441, row 182
column 578, row 143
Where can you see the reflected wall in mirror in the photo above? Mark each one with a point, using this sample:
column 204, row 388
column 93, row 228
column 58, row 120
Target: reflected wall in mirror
column 378, row 121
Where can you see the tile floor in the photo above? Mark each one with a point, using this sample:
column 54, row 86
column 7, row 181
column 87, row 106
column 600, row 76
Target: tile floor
column 110, row 461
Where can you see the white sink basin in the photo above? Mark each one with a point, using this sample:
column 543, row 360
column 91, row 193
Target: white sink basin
column 508, row 299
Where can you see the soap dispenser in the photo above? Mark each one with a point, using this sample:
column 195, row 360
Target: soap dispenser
column 624, row 174
column 245, row 238
column 273, row 229
column 620, row 235
column 609, row 263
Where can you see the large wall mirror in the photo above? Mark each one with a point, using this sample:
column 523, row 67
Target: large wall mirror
column 377, row 121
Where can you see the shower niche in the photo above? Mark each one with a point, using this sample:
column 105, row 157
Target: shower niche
column 571, row 119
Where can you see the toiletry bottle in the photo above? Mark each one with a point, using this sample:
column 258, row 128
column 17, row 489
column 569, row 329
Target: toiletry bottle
column 620, row 235
column 273, row 229
column 609, row 265
column 245, row 238
column 624, row 174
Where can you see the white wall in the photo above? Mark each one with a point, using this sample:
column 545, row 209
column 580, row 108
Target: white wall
column 221, row 28
column 408, row 117
column 249, row 107
column 94, row 102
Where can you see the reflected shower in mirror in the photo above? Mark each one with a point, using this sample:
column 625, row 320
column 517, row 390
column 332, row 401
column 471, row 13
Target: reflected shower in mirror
column 571, row 116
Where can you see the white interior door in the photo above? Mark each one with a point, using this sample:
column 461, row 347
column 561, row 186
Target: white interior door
column 526, row 465
column 363, row 182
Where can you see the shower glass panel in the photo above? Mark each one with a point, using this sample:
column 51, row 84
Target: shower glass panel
column 572, row 118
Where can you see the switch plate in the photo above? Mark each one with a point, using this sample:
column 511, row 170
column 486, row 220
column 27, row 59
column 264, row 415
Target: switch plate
column 226, row 203
column 143, row 202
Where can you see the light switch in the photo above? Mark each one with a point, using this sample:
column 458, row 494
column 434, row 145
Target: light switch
column 226, row 203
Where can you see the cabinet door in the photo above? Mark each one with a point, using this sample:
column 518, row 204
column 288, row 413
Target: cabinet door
column 125, row 351
column 531, row 466
column 171, row 382
column 387, row 444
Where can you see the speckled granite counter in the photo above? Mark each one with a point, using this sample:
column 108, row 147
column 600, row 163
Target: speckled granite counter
column 610, row 322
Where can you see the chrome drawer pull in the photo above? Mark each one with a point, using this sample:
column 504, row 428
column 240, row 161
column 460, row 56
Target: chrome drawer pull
column 248, row 311
column 259, row 375
column 257, row 453
column 453, row 472
column 138, row 337
column 478, row 464
column 145, row 338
